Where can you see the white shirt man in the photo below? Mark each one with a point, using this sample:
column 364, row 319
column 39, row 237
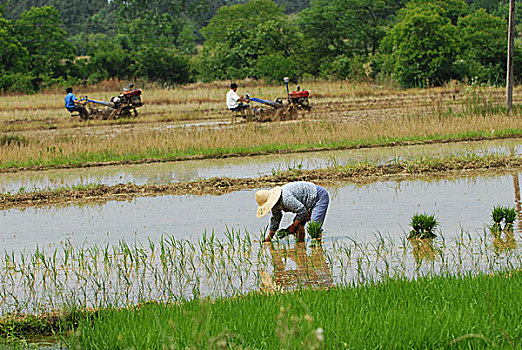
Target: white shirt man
column 233, row 99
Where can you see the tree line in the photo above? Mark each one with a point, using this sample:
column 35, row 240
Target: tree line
column 414, row 43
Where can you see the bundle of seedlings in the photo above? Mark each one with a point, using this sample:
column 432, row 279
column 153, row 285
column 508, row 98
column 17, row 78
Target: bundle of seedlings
column 315, row 230
column 283, row 233
column 423, row 226
column 503, row 219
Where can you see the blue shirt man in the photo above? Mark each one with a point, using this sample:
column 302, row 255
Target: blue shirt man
column 73, row 107
column 69, row 101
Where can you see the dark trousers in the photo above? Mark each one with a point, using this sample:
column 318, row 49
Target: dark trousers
column 240, row 107
column 81, row 109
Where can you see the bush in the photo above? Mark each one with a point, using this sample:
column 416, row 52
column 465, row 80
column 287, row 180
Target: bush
column 274, row 68
column 17, row 82
column 163, row 65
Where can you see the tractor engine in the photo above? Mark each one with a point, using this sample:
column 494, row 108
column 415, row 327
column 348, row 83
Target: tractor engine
column 300, row 98
column 132, row 97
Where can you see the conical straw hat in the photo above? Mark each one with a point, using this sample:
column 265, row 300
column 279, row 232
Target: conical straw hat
column 266, row 199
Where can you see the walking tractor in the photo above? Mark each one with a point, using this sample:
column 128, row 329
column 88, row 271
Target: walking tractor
column 122, row 106
column 280, row 109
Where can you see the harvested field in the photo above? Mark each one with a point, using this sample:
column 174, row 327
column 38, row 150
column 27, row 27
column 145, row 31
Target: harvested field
column 136, row 144
column 176, row 125
column 332, row 100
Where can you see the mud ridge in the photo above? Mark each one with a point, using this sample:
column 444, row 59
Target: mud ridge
column 407, row 170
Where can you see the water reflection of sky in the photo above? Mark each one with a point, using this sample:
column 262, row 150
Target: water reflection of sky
column 359, row 212
column 162, row 173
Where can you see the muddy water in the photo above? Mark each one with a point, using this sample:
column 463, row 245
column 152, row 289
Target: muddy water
column 163, row 173
column 358, row 212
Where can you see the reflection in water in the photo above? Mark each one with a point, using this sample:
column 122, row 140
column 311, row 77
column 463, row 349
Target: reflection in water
column 503, row 240
column 518, row 206
column 296, row 268
column 423, row 249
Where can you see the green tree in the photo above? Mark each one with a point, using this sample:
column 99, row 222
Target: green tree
column 39, row 31
column 155, row 21
column 163, row 65
column 421, row 48
column 340, row 29
column 110, row 57
column 14, row 61
column 238, row 36
column 491, row 6
column 13, row 56
column 77, row 16
column 483, row 50
column 452, row 9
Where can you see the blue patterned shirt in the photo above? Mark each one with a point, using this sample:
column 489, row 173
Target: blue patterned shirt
column 296, row 197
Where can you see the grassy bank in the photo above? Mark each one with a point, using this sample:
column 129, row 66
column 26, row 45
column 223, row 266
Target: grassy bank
column 461, row 312
column 360, row 172
column 209, row 144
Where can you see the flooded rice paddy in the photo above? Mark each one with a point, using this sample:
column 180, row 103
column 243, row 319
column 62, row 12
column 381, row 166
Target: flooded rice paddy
column 240, row 167
column 171, row 247
column 356, row 211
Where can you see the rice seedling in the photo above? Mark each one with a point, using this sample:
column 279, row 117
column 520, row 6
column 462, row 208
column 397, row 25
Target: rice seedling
column 17, row 140
column 171, row 269
column 324, row 318
column 282, row 233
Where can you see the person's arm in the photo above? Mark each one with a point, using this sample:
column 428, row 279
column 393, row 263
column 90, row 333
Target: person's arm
column 275, row 220
column 239, row 98
column 75, row 100
column 295, row 206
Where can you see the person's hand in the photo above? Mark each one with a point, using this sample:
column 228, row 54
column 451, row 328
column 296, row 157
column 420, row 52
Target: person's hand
column 269, row 238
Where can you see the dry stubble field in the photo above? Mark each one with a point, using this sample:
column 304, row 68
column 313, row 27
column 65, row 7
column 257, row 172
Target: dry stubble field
column 192, row 122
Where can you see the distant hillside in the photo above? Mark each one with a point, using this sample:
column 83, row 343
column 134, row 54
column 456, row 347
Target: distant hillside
column 98, row 16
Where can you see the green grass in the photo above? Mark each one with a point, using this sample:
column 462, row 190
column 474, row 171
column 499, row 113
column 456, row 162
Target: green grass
column 430, row 313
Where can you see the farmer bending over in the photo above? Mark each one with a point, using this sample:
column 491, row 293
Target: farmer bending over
column 307, row 200
column 72, row 104
column 234, row 100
